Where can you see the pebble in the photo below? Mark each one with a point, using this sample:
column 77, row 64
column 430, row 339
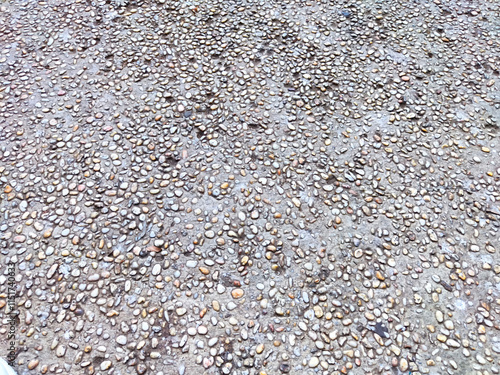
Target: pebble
column 314, row 362
column 61, row 351
column 33, row 364
column 403, row 364
column 202, row 330
column 237, row 293
column 156, row 270
column 318, row 312
column 439, row 316
column 122, row 340
column 260, row 348
column 181, row 311
column 105, row 365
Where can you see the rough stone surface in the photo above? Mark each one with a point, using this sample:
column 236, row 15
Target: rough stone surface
column 235, row 187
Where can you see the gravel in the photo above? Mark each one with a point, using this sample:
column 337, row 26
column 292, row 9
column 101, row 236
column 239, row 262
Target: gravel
column 261, row 187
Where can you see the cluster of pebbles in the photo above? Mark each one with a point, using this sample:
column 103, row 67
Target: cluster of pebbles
column 251, row 187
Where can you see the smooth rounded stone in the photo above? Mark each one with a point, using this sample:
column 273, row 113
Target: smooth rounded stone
column 436, row 278
column 358, row 253
column 260, row 348
column 33, row 364
column 181, row 311
column 314, row 362
column 366, row 210
column 210, row 234
column 237, row 293
column 156, row 270
column 122, row 340
column 159, row 243
column 395, row 350
column 191, row 263
column 496, row 347
column 284, row 368
column 141, row 368
column 61, row 351
column 480, row 359
column 308, row 266
column 309, row 314
column 105, row 365
column 347, row 322
column 319, row 345
column 403, row 364
column 439, row 316
column 208, row 362
column 202, row 330
column 19, row 239
column 221, row 288
column 305, row 297
column 474, row 248
column 318, row 312
column 449, row 325
column 191, row 331
column 23, row 206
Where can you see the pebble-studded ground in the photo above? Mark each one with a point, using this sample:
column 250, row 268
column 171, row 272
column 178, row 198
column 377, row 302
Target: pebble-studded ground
column 251, row 187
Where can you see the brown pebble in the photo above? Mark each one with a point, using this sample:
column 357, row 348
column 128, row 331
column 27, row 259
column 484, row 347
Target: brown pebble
column 237, row 293
column 33, row 364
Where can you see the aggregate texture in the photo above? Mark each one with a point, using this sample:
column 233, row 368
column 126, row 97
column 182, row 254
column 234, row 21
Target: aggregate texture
column 251, row 187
